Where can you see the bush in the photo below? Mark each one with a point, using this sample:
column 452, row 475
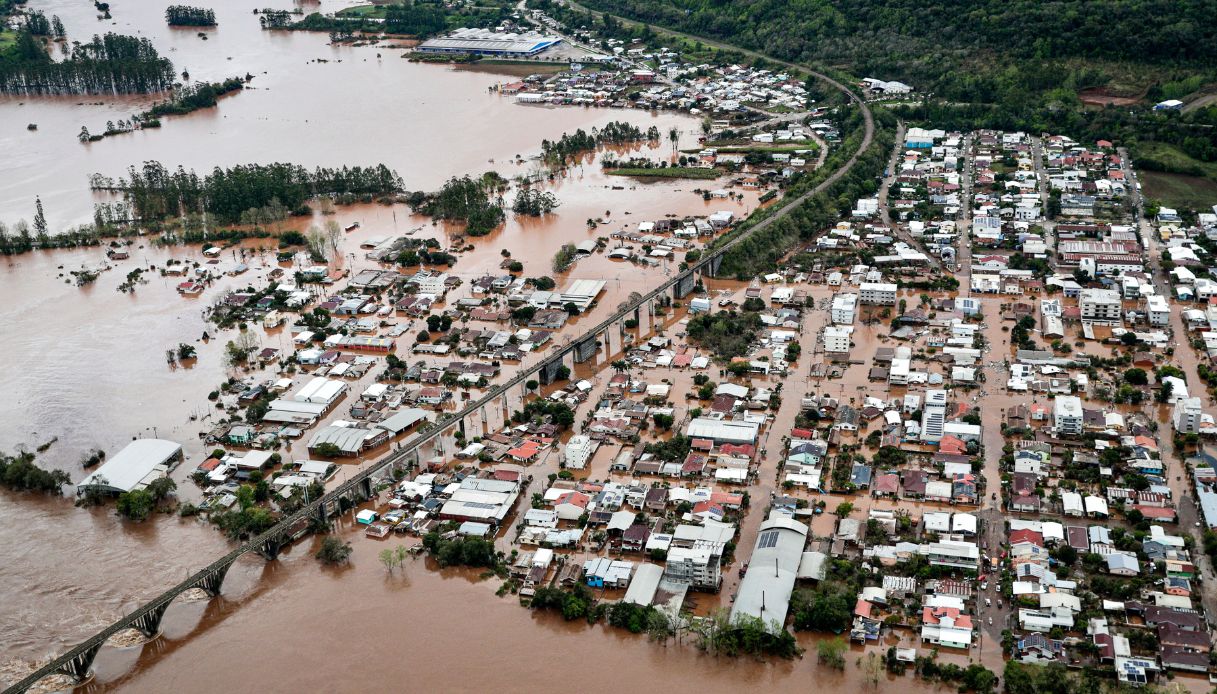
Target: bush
column 19, row 473
column 334, row 551
column 136, row 505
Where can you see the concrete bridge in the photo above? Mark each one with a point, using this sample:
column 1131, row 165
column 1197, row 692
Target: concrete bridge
column 78, row 661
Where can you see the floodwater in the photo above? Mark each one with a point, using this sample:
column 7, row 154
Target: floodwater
column 359, row 105
column 423, row 630
column 86, row 367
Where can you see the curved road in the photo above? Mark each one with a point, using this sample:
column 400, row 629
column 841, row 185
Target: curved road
column 276, row 535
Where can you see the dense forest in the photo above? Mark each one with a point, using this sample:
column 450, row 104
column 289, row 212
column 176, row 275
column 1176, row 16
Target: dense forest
column 156, row 193
column 568, row 146
column 1015, row 65
column 110, row 64
column 1006, row 46
column 475, row 201
column 187, row 16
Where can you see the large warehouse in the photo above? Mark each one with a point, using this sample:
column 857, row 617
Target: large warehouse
column 722, row 431
column 486, row 42
column 764, row 592
column 134, row 467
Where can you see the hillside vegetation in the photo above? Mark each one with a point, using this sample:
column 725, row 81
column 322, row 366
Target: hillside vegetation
column 1011, row 48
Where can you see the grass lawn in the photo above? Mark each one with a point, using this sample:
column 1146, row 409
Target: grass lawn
column 7, row 39
column 669, row 172
column 365, row 11
column 1187, row 183
column 1174, row 159
column 1180, row 191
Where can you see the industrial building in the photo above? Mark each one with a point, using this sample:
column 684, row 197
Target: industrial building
column 722, row 431
column 582, row 293
column 486, row 42
column 764, row 592
column 349, row 440
column 134, row 467
column 481, row 500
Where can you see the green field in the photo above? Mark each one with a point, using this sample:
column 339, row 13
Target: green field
column 669, row 172
column 1175, row 179
column 365, row 11
column 1174, row 160
column 1180, row 191
column 7, row 39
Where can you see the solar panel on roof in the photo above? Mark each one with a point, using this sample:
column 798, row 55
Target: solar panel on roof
column 768, row 539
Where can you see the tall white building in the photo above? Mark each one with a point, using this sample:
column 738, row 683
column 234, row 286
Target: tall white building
column 1100, row 305
column 877, row 293
column 1159, row 310
column 843, row 308
column 836, row 339
column 579, row 450
column 1067, row 414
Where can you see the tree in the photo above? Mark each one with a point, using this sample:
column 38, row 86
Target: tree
column 334, row 551
column 663, row 421
column 872, row 666
column 1164, row 391
column 40, row 227
column 161, row 488
column 328, row 450
column 389, row 558
column 564, row 257
column 1136, row 377
column 333, row 236
column 831, row 652
column 136, row 505
column 315, row 240
column 844, row 509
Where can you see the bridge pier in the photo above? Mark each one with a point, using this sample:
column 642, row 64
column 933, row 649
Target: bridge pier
column 684, row 286
column 711, row 267
column 269, row 549
column 149, row 623
column 81, row 664
column 548, row 373
column 366, row 488
column 585, row 350
column 212, row 582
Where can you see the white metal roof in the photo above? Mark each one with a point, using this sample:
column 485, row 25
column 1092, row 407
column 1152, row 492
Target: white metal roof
column 130, row 467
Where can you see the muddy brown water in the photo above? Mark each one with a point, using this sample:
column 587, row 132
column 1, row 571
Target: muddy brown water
column 86, row 366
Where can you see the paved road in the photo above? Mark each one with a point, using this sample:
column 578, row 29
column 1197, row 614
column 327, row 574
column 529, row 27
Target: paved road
column 1178, row 475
